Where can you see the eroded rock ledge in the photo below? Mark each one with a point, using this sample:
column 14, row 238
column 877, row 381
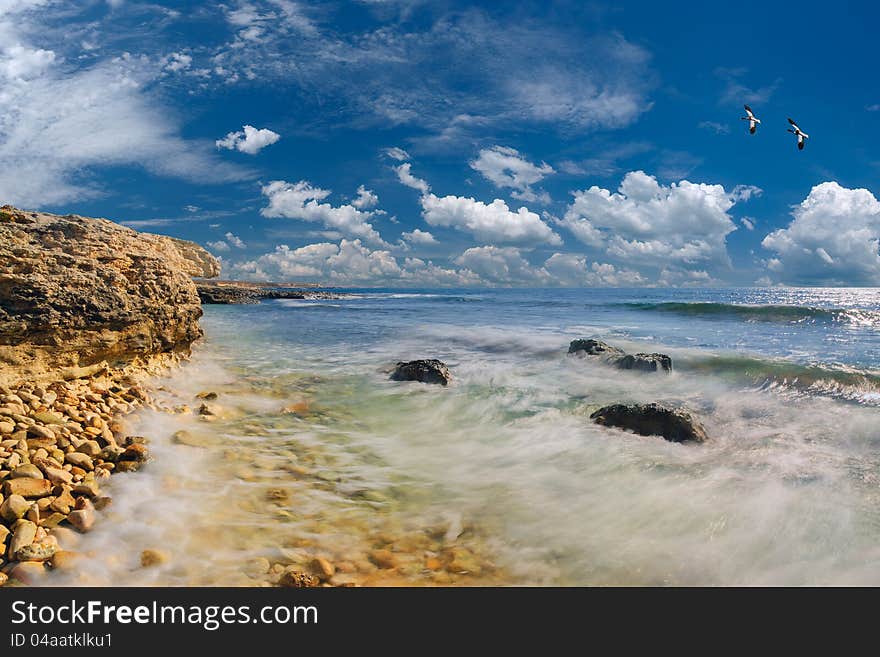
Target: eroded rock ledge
column 78, row 293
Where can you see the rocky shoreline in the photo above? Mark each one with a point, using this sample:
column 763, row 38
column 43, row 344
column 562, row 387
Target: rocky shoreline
column 89, row 311
column 237, row 292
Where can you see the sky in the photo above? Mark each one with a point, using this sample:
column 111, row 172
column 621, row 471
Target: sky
column 426, row 143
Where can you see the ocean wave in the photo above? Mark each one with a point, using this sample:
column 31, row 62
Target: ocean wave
column 825, row 380
column 764, row 313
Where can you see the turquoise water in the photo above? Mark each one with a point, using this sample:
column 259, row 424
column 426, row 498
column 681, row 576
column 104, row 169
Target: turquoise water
column 505, row 460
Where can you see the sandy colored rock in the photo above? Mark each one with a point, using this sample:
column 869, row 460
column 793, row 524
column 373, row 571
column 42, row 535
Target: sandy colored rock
column 151, row 557
column 27, row 487
column 132, row 292
column 297, row 579
column 13, row 508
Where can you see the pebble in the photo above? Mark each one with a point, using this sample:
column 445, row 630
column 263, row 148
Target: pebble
column 80, row 460
column 24, row 532
column 37, row 552
column 27, row 487
column 27, row 470
column 322, row 568
column 13, row 508
column 151, row 557
column 383, row 558
column 82, row 519
column 297, row 579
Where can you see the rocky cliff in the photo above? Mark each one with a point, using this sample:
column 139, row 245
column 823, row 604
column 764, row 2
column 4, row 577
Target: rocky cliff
column 77, row 292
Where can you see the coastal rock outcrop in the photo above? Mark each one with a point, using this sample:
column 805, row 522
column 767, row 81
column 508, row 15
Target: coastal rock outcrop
column 673, row 424
column 426, row 371
column 618, row 358
column 645, row 362
column 238, row 292
column 77, row 292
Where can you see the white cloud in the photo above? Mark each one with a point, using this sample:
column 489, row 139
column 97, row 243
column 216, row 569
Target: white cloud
column 219, row 245
column 302, row 201
column 178, row 61
column 505, row 167
column 834, row 238
column 504, row 265
column 646, row 223
column 748, row 223
column 405, row 176
column 18, row 62
column 418, row 236
column 573, row 270
column 492, row 222
column 235, row 241
column 57, row 122
column 349, row 263
column 743, row 193
column 396, row 153
column 365, row 199
column 248, row 140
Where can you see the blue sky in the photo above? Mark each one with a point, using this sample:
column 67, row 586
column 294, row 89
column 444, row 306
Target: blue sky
column 395, row 143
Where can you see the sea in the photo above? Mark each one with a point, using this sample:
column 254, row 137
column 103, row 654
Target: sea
column 501, row 478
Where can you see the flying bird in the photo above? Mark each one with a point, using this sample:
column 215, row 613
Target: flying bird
column 801, row 135
column 751, row 118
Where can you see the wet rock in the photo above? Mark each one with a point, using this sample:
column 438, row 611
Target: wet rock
column 3, row 578
column 30, row 573
column 297, row 579
column 207, row 396
column 383, row 558
column 42, row 551
column 14, row 507
column 137, row 452
column 322, row 568
column 151, row 557
column 426, row 371
column 26, row 470
column 80, row 460
column 645, row 362
column 618, row 358
column 23, row 533
column 82, row 519
column 27, row 487
column 672, row 424
column 592, row 347
column 65, row 560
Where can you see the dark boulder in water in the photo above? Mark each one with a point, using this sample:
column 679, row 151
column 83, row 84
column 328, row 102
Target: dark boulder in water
column 591, row 347
column 652, row 420
column 619, row 358
column 645, row 362
column 426, row 371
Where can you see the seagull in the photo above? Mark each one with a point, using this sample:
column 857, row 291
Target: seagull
column 800, row 134
column 751, row 118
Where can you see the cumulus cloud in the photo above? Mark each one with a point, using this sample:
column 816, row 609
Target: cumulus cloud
column 573, row 270
column 365, row 198
column 219, row 245
column 505, row 168
column 303, row 201
column 404, row 174
column 748, row 223
column 418, row 236
column 833, row 239
column 492, row 222
column 349, row 263
column 646, row 223
column 249, row 140
column 495, row 264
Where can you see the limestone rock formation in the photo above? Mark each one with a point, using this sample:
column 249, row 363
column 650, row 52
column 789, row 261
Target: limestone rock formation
column 77, row 292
